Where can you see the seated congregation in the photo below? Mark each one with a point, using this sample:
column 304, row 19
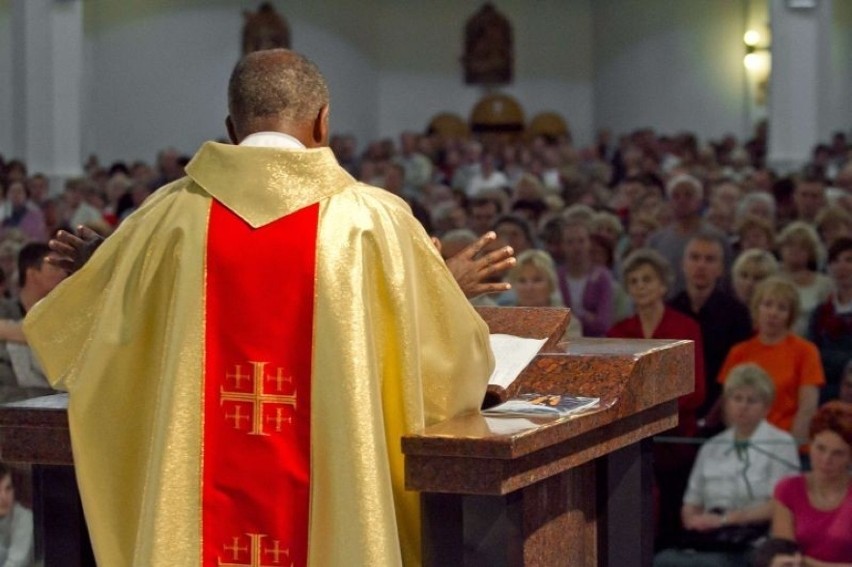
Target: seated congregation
column 649, row 236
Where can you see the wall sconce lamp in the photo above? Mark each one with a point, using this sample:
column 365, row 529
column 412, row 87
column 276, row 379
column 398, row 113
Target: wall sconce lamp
column 758, row 63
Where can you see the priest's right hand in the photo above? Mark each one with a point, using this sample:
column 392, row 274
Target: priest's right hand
column 475, row 272
column 71, row 251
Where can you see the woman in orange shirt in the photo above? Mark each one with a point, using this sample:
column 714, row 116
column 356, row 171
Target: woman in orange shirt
column 791, row 361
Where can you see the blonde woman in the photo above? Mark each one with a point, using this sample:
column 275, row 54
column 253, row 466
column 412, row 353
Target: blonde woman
column 792, row 362
column 750, row 268
column 533, row 279
column 801, row 254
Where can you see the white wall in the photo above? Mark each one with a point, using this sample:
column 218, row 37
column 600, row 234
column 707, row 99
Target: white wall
column 158, row 69
column 839, row 108
column 159, row 75
column 421, row 73
column 671, row 65
column 5, row 80
column 155, row 70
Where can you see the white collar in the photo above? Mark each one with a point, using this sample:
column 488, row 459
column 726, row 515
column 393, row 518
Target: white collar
column 272, row 140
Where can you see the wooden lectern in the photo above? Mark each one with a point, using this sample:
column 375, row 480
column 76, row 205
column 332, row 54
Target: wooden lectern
column 552, row 491
column 571, row 491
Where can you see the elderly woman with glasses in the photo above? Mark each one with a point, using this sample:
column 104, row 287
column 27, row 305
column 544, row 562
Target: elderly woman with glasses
column 728, row 502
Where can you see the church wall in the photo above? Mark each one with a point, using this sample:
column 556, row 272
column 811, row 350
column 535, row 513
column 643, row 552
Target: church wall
column 421, row 72
column 838, row 114
column 155, row 70
column 5, row 73
column 391, row 66
column 159, row 75
column 675, row 66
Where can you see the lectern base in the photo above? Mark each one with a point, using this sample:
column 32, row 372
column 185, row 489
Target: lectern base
column 599, row 513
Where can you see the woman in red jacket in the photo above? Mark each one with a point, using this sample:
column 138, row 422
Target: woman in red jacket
column 647, row 277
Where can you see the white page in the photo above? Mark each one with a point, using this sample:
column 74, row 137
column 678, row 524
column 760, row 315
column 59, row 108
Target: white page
column 509, row 425
column 511, row 355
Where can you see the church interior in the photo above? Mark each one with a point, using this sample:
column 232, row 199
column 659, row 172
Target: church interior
column 702, row 145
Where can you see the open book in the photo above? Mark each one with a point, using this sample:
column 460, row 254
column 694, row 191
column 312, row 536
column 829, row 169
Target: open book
column 533, row 404
column 511, row 355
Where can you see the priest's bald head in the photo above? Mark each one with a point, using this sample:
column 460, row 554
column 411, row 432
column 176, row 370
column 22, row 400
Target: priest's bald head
column 278, row 90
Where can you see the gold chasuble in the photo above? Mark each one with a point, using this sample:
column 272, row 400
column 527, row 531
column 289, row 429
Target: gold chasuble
column 243, row 356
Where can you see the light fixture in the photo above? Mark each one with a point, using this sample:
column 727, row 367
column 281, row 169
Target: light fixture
column 758, row 63
column 751, row 38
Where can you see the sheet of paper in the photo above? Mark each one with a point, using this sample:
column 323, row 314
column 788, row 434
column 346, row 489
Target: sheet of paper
column 511, row 356
column 509, row 425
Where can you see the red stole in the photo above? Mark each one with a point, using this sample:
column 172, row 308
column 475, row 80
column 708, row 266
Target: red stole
column 257, row 383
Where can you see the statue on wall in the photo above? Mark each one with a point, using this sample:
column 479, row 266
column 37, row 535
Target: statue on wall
column 488, row 48
column 264, row 29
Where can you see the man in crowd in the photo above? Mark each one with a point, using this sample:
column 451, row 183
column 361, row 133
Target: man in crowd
column 483, row 213
column 20, row 375
column 686, row 195
column 724, row 321
column 256, row 339
column 808, row 198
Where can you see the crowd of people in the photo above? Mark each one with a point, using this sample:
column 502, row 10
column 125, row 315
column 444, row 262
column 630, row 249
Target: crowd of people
column 647, row 236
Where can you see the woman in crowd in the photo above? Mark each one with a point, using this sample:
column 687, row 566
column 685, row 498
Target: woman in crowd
column 533, row 279
column 608, row 226
column 727, row 505
column 647, row 278
column 801, row 252
column 755, row 232
column 640, row 228
column 21, row 214
column 815, row 509
column 792, row 362
column 830, row 327
column 750, row 268
column 759, row 204
column 587, row 289
column 833, row 223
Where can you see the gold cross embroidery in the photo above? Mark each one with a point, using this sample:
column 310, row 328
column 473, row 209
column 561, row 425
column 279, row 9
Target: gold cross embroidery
column 259, row 399
column 258, row 551
column 238, row 376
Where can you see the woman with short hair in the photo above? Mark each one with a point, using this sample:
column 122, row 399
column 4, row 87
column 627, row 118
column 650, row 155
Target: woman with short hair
column 792, row 362
column 647, row 278
column 801, row 254
column 750, row 268
column 728, row 502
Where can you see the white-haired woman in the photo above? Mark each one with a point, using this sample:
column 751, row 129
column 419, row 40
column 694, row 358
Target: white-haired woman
column 759, row 204
column 728, row 502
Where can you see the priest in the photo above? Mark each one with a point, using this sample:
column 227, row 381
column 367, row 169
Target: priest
column 243, row 355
